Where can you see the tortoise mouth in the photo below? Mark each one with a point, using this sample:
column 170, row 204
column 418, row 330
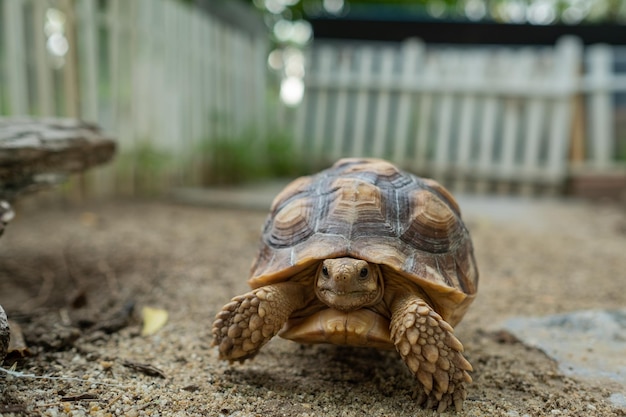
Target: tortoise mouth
column 347, row 300
column 361, row 328
column 346, row 293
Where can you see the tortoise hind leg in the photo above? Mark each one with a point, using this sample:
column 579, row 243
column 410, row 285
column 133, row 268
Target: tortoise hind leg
column 431, row 351
column 250, row 320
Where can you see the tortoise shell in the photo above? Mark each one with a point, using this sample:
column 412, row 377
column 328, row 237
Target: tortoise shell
column 370, row 210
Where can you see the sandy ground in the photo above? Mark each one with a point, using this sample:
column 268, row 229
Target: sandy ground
column 76, row 278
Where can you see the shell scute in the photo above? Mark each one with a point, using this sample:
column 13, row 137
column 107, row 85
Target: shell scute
column 291, row 224
column 432, row 225
column 356, row 209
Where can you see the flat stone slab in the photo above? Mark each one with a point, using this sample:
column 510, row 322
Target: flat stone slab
column 587, row 344
column 39, row 152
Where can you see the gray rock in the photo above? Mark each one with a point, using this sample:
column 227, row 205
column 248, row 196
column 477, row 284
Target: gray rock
column 588, row 344
column 618, row 399
column 39, row 152
column 6, row 215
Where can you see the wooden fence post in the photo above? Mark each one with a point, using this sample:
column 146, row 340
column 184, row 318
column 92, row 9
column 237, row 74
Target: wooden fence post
column 364, row 75
column 318, row 130
column 14, row 38
column 569, row 57
column 601, row 118
column 381, row 135
column 341, row 113
column 44, row 79
column 87, row 49
column 412, row 54
column 70, row 67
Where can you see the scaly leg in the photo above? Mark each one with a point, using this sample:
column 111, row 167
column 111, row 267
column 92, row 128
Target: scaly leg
column 250, row 320
column 431, row 351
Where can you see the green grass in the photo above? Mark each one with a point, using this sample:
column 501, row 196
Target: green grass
column 147, row 170
column 147, row 167
column 246, row 158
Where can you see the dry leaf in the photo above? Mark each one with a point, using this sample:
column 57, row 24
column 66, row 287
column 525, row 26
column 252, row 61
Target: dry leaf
column 153, row 320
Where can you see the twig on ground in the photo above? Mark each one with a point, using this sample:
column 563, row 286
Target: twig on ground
column 81, row 397
column 145, row 368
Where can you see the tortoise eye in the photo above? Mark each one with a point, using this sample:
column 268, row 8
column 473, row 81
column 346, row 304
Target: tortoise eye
column 363, row 272
column 324, row 271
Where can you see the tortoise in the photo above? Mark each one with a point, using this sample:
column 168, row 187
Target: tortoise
column 362, row 254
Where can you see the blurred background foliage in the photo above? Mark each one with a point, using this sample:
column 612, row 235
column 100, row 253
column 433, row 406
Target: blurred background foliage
column 504, row 11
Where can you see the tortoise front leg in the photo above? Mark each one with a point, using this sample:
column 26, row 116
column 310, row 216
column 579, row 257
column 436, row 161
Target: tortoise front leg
column 431, row 351
column 250, row 320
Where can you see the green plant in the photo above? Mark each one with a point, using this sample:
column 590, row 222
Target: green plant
column 283, row 159
column 147, row 168
column 246, row 158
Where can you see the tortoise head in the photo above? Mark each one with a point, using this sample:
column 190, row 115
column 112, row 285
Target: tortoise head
column 348, row 284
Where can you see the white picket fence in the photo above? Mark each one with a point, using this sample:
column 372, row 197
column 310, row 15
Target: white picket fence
column 167, row 80
column 479, row 115
column 163, row 77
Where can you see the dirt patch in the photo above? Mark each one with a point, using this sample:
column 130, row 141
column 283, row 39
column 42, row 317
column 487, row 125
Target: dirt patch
column 75, row 279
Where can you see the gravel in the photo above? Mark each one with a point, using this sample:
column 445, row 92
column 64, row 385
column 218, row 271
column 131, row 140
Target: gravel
column 68, row 272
